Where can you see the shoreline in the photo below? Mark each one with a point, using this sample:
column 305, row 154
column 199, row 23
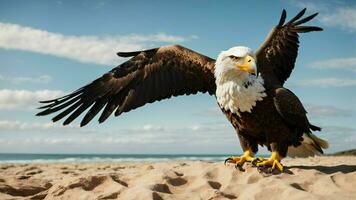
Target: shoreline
column 23, row 158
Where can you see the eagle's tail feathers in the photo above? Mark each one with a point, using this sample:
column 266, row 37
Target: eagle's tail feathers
column 320, row 142
column 311, row 145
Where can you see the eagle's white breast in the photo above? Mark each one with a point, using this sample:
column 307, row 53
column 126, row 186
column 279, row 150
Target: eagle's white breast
column 239, row 95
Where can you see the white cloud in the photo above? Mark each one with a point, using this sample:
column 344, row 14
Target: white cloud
column 153, row 138
column 211, row 112
column 148, row 128
column 91, row 49
column 49, row 127
column 339, row 137
column 325, row 83
column 24, row 126
column 327, row 111
column 339, row 129
column 335, row 63
column 206, row 138
column 149, row 133
column 24, row 79
column 313, row 111
column 25, row 99
column 332, row 13
column 160, row 37
column 311, row 6
column 344, row 18
column 215, row 127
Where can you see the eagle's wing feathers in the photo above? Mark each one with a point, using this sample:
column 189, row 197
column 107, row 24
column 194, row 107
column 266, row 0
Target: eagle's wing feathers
column 149, row 76
column 291, row 109
column 277, row 55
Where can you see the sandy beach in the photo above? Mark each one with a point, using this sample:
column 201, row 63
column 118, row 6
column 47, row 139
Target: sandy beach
column 309, row 178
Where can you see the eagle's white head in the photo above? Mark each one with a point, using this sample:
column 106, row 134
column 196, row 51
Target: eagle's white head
column 237, row 62
column 237, row 86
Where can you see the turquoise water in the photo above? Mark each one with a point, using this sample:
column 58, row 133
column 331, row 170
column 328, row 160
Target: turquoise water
column 43, row 158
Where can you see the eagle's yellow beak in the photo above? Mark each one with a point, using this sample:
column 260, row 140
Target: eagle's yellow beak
column 248, row 65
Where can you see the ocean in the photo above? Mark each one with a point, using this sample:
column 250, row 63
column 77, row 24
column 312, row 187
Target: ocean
column 49, row 158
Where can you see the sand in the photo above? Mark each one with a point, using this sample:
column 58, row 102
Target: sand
column 308, row 178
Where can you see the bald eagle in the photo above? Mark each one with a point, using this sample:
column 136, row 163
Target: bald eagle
column 248, row 87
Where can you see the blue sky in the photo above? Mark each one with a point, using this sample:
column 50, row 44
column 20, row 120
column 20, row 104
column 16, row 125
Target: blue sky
column 49, row 48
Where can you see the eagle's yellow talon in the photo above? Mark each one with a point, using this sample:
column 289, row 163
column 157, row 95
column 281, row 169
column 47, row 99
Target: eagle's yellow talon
column 260, row 159
column 277, row 164
column 273, row 161
column 246, row 157
column 257, row 160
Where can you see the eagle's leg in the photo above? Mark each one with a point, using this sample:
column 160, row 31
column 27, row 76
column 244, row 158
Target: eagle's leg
column 274, row 161
column 247, row 156
column 249, row 146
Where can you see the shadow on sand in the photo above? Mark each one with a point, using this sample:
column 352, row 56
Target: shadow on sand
column 323, row 169
column 327, row 169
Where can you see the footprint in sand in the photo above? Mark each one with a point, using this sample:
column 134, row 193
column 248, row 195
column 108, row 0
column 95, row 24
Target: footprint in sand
column 112, row 195
column 214, row 184
column 159, row 187
column 25, row 188
column 225, row 195
column 344, row 181
column 156, row 196
column 5, row 167
column 118, row 168
column 297, row 186
column 118, row 180
column 176, row 181
column 69, row 172
column 33, row 172
column 23, row 177
column 179, row 174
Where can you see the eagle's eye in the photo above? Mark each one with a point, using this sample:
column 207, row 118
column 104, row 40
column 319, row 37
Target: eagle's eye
column 234, row 57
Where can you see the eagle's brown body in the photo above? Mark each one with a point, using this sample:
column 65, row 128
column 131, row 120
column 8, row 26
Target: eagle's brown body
column 266, row 127
column 278, row 121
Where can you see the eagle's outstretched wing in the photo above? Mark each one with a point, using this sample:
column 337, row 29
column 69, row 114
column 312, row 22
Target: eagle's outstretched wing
column 149, row 76
column 277, row 55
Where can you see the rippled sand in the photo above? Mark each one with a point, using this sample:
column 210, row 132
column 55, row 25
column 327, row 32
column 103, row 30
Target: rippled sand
column 309, row 178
